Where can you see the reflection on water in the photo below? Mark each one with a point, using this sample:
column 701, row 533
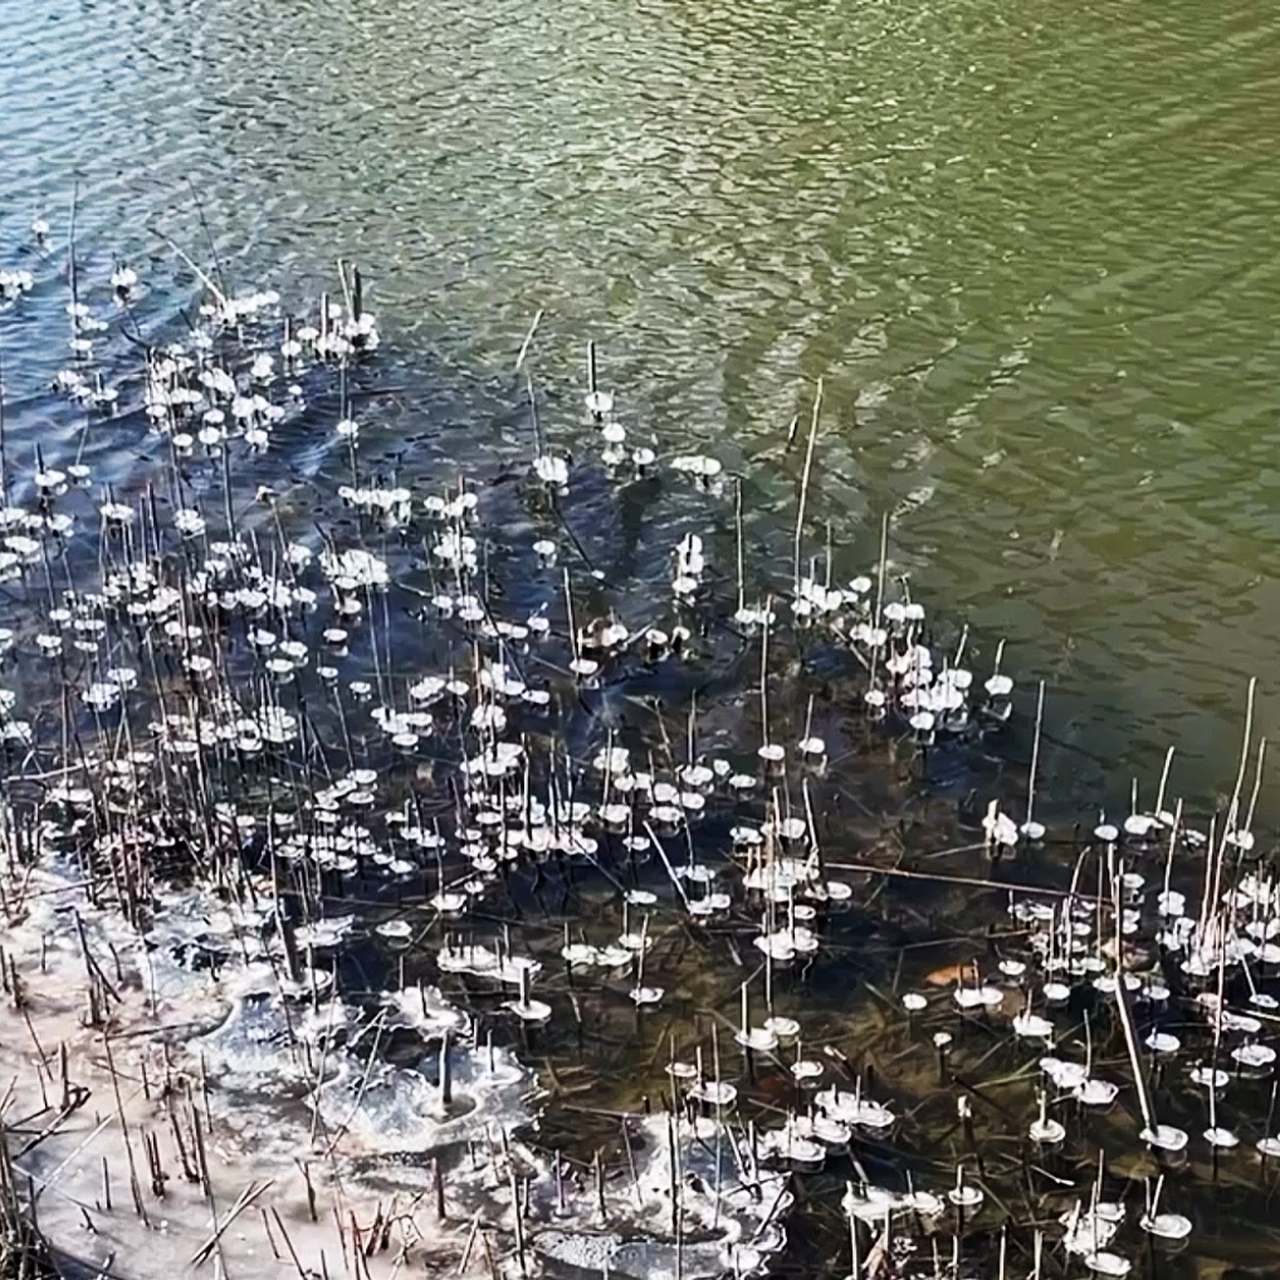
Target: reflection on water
column 586, row 896
column 1030, row 249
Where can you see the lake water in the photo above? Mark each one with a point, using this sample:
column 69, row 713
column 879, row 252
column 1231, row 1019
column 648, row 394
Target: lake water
column 1029, row 254
column 1031, row 251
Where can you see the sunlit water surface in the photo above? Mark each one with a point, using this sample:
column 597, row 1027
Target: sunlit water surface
column 1030, row 249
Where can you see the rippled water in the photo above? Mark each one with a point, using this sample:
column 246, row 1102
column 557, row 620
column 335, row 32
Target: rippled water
column 1031, row 250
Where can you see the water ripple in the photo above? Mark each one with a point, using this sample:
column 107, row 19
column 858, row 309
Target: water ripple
column 1030, row 249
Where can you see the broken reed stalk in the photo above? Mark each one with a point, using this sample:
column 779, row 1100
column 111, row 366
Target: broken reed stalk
column 881, row 569
column 737, row 528
column 243, row 1201
column 1233, row 810
column 24, row 1253
column 976, row 882
column 1164, row 780
column 804, row 487
column 1035, row 752
column 764, row 673
column 1247, row 825
column 528, row 340
column 1126, row 1016
column 200, row 275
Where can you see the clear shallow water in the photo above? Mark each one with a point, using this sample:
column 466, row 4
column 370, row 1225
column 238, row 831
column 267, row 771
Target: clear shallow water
column 1029, row 250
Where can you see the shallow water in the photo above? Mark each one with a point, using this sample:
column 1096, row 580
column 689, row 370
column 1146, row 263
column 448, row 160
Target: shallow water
column 1030, row 251
column 1013, row 338
column 592, row 989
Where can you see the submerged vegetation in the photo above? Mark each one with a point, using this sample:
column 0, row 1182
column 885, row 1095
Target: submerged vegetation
column 405, row 868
